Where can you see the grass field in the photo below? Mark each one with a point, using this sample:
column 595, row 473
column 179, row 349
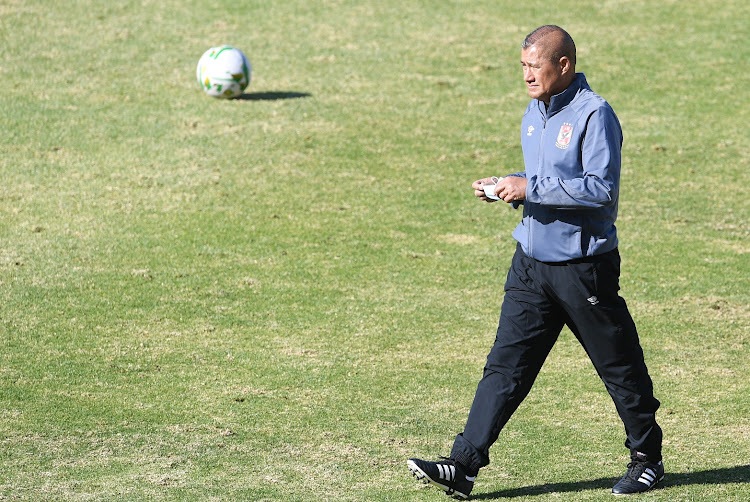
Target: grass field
column 285, row 296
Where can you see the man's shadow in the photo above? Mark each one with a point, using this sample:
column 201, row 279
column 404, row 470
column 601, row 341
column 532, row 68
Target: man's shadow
column 739, row 474
column 272, row 95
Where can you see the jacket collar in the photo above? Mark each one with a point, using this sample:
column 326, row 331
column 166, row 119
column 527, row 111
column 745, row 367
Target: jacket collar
column 560, row 101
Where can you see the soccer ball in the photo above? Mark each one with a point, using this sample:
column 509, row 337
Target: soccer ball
column 223, row 72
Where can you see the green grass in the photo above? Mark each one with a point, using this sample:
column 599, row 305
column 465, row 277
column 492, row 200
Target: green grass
column 283, row 297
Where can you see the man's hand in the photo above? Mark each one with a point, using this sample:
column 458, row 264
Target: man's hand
column 479, row 191
column 511, row 188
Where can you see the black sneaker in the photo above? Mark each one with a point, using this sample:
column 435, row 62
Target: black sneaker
column 446, row 475
column 642, row 476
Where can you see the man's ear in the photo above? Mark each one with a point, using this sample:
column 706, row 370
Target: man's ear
column 565, row 65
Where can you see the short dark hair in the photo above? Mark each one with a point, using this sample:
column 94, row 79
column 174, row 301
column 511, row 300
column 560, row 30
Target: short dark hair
column 567, row 48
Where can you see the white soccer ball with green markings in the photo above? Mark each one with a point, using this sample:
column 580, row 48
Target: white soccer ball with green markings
column 223, row 72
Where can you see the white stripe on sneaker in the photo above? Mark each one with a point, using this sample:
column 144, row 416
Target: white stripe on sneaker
column 446, row 472
column 452, row 473
column 648, row 477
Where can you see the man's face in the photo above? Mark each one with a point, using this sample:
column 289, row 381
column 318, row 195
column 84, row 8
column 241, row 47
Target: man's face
column 544, row 78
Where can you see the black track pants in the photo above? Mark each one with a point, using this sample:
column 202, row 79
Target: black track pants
column 540, row 298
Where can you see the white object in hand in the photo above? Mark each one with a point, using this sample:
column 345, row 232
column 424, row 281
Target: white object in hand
column 489, row 190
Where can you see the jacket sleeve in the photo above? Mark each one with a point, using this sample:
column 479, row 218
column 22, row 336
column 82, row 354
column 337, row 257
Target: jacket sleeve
column 600, row 158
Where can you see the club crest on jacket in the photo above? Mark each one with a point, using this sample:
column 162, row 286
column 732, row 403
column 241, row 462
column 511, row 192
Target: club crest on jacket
column 563, row 137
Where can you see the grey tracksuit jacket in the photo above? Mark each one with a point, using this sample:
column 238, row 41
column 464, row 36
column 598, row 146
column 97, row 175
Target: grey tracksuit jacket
column 571, row 152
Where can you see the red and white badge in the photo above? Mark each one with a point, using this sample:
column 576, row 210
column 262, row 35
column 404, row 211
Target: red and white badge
column 563, row 137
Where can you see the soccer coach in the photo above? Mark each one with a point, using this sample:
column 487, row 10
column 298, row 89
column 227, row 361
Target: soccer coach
column 565, row 271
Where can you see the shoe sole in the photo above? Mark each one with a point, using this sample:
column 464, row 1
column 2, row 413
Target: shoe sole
column 424, row 478
column 644, row 491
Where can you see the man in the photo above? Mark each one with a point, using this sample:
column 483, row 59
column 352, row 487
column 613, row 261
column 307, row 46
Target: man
column 565, row 271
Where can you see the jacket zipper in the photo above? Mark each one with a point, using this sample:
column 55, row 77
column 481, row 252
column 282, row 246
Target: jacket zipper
column 538, row 171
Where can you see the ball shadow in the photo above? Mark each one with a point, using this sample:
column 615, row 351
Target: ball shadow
column 272, row 95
